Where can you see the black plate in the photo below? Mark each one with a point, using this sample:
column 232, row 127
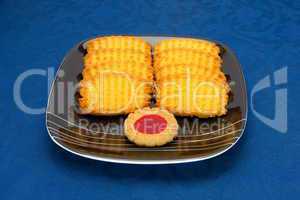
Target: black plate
column 102, row 138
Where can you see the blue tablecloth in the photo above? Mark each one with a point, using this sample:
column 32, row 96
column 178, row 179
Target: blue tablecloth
column 36, row 34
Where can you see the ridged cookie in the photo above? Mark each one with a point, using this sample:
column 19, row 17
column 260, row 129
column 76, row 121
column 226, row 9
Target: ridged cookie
column 201, row 98
column 112, row 94
column 187, row 44
column 138, row 71
column 119, row 43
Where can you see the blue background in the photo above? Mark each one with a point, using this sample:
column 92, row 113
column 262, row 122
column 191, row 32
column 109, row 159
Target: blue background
column 37, row 34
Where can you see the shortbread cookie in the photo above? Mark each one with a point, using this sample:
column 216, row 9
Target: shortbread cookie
column 151, row 127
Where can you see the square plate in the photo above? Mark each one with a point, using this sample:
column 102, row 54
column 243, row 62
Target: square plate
column 102, row 138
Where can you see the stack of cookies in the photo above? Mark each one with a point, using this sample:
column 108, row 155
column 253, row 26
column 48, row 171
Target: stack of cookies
column 117, row 76
column 189, row 79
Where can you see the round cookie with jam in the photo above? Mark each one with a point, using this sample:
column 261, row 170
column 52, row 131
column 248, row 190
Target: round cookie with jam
column 151, row 127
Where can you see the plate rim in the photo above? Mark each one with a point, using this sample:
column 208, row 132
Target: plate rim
column 148, row 162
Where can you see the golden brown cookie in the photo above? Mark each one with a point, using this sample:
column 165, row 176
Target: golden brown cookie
column 113, row 93
column 187, row 44
column 193, row 97
column 103, row 56
column 119, row 43
column 189, row 71
column 138, row 71
column 186, row 57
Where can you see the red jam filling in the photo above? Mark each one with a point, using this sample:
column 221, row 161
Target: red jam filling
column 151, row 124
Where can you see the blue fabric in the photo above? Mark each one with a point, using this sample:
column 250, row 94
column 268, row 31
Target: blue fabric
column 37, row 34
